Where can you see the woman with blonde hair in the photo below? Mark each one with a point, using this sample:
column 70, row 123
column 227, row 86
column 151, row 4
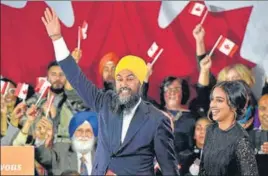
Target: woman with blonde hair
column 237, row 72
column 229, row 73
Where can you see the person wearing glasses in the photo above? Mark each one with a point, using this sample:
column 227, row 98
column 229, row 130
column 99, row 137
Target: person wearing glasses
column 174, row 94
column 8, row 103
column 11, row 111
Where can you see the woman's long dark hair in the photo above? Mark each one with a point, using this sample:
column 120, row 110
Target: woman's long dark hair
column 184, row 88
column 238, row 95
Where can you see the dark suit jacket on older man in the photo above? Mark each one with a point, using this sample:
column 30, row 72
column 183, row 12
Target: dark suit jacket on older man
column 58, row 159
column 148, row 135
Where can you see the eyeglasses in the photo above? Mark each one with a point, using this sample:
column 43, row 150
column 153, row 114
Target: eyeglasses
column 175, row 89
column 11, row 91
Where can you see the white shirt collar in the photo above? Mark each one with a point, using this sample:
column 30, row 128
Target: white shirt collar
column 127, row 120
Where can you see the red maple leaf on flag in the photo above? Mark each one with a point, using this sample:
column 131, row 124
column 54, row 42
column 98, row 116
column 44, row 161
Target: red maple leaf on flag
column 198, row 9
column 227, row 47
column 121, row 27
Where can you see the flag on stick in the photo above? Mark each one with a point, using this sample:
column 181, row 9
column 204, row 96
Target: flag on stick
column 225, row 46
column 4, row 86
column 197, row 9
column 82, row 33
column 154, row 52
column 44, row 86
column 21, row 91
column 49, row 105
column 204, row 17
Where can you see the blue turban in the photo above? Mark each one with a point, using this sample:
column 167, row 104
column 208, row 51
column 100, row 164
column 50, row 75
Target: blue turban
column 80, row 117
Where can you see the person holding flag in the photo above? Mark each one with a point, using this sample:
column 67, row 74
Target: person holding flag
column 42, row 129
column 11, row 110
column 9, row 101
column 8, row 104
column 230, row 73
column 65, row 102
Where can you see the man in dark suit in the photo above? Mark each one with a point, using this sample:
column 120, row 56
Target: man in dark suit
column 131, row 131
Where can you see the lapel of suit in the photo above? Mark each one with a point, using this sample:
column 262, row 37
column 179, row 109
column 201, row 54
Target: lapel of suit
column 117, row 122
column 72, row 159
column 136, row 123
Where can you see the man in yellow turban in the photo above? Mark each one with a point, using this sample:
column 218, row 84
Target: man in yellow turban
column 130, row 73
column 131, row 132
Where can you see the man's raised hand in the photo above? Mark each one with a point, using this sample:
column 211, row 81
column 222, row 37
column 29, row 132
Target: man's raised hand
column 52, row 24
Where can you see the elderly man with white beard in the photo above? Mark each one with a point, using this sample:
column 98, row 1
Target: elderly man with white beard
column 79, row 154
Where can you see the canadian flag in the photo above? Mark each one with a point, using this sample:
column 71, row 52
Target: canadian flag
column 83, row 31
column 4, row 87
column 39, row 79
column 154, row 52
column 227, row 46
column 197, row 9
column 22, row 90
column 42, row 88
column 39, row 82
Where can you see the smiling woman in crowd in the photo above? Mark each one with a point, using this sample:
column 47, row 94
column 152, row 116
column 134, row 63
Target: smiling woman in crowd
column 9, row 101
column 227, row 150
column 228, row 73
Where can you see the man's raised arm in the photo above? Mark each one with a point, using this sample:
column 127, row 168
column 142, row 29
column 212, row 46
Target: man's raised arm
column 90, row 94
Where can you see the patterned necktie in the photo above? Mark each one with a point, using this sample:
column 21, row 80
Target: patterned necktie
column 83, row 167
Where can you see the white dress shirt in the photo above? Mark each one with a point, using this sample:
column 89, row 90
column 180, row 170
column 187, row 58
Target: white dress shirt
column 127, row 119
column 61, row 49
column 62, row 52
column 88, row 158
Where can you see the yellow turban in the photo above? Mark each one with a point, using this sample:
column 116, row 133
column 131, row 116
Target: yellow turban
column 134, row 64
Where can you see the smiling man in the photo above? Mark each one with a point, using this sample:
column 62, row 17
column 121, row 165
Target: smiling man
column 131, row 131
column 77, row 155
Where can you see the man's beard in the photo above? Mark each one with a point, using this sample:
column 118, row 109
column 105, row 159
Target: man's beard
column 56, row 88
column 125, row 104
column 83, row 145
column 108, row 85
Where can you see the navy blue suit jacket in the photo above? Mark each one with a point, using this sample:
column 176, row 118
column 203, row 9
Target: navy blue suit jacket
column 148, row 135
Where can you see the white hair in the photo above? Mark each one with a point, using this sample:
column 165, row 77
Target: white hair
column 83, row 145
